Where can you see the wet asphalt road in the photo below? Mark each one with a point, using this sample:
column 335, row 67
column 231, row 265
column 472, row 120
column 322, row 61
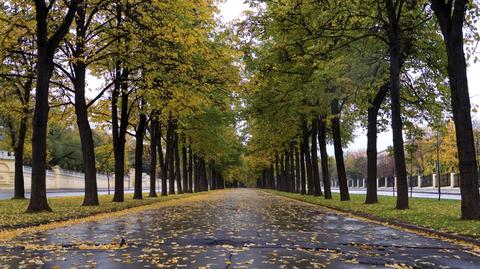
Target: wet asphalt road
column 233, row 229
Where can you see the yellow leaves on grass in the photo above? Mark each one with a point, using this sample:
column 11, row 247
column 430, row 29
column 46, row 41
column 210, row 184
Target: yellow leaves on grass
column 437, row 215
column 64, row 208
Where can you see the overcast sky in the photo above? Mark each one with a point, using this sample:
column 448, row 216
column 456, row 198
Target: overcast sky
column 232, row 9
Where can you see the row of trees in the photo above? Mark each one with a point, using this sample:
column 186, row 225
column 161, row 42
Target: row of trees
column 421, row 153
column 167, row 71
column 317, row 70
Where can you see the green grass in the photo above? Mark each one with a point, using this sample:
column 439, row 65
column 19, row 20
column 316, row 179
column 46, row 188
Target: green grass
column 12, row 212
column 441, row 215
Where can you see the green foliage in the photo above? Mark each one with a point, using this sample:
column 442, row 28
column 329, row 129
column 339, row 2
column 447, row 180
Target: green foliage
column 300, row 56
column 64, row 147
column 104, row 153
column 239, row 94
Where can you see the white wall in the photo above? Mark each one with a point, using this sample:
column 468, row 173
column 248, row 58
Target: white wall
column 58, row 178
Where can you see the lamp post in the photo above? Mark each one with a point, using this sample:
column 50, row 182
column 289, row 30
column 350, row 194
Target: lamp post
column 411, row 173
column 393, row 183
column 108, row 183
column 438, row 166
column 411, row 148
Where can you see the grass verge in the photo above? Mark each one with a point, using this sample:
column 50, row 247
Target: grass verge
column 12, row 212
column 443, row 216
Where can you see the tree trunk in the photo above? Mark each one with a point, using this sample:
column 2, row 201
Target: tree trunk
column 292, row 167
column 186, row 187
column 308, row 160
column 81, row 111
column 19, row 191
column 451, row 25
column 18, row 143
column 190, row 170
column 316, row 176
column 46, row 48
column 263, row 179
column 88, row 151
column 38, row 200
column 120, row 88
column 397, row 125
column 119, row 156
column 213, row 182
column 269, row 177
column 303, row 178
column 86, row 139
column 178, row 174
column 163, row 161
column 272, row 177
column 371, row 197
column 222, row 181
column 297, row 170
column 277, row 172
column 139, row 134
column 119, row 133
column 283, row 172
column 202, row 177
column 213, row 178
column 205, row 180
column 290, row 174
column 286, row 186
column 322, row 141
column 337, row 144
column 196, row 173
column 170, row 157
column 153, row 156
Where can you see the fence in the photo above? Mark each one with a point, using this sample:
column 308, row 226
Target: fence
column 412, row 181
column 445, row 180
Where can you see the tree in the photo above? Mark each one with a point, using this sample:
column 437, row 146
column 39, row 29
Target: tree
column 336, row 133
column 162, row 161
column 18, row 68
column 153, row 155
column 139, row 134
column 322, row 141
column 316, row 176
column 82, row 48
column 451, row 17
column 46, row 48
column 394, row 11
column 185, row 169
column 372, row 130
